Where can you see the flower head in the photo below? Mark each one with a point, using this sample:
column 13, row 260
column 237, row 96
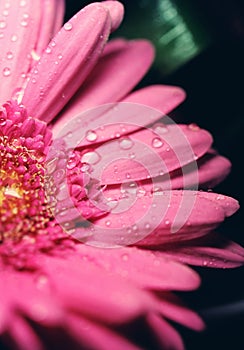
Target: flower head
column 51, row 189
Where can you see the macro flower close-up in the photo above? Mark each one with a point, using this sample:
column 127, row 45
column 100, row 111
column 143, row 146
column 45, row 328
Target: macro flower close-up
column 104, row 199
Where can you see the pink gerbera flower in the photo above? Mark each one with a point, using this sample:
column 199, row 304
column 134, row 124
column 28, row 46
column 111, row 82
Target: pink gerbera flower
column 58, row 291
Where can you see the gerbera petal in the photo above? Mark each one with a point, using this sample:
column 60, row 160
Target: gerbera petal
column 171, row 307
column 211, row 170
column 162, row 97
column 19, row 33
column 95, row 336
column 33, row 300
column 168, row 337
column 51, row 21
column 116, row 11
column 154, row 154
column 109, row 80
column 45, row 95
column 23, row 335
column 142, row 267
column 83, row 280
column 165, row 216
column 210, row 251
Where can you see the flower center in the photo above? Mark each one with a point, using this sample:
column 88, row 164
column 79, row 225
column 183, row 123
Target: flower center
column 23, row 145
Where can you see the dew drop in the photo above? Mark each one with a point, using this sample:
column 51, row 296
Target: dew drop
column 22, row 3
column 5, row 13
column 41, row 281
column 24, row 23
column 3, row 121
column 91, row 136
column 193, row 127
column 91, row 157
column 48, row 50
column 68, row 26
column 1, row 35
column 125, row 257
column 9, row 55
column 108, row 223
column 157, row 142
column 132, row 155
column 2, row 24
column 126, row 143
column 85, row 168
column 167, row 222
column 71, row 164
column 14, row 38
column 160, row 128
column 220, row 197
column 60, row 57
column 6, row 72
column 112, row 203
column 129, row 187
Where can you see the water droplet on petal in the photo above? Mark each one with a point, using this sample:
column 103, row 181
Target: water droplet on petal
column 108, row 223
column 160, row 128
column 91, row 157
column 22, row 3
column 91, row 136
column 193, row 127
column 9, row 55
column 3, row 121
column 14, row 38
column 157, row 142
column 125, row 257
column 126, row 143
column 41, row 281
column 71, row 163
column 24, row 23
column 48, row 50
column 68, row 26
column 129, row 187
column 167, row 222
column 6, row 72
column 85, row 168
column 220, row 197
column 5, row 13
column 3, row 24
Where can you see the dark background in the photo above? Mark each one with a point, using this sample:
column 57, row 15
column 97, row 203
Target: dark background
column 213, row 80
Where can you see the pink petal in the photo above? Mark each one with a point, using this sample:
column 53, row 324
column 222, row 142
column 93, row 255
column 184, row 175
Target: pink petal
column 142, row 267
column 118, row 301
column 160, row 217
column 65, row 64
column 19, row 34
column 171, row 307
column 96, row 336
column 212, row 251
column 168, row 337
column 23, row 335
column 51, row 21
column 154, row 154
column 33, row 298
column 110, row 81
column 212, row 169
column 162, row 97
column 116, row 11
